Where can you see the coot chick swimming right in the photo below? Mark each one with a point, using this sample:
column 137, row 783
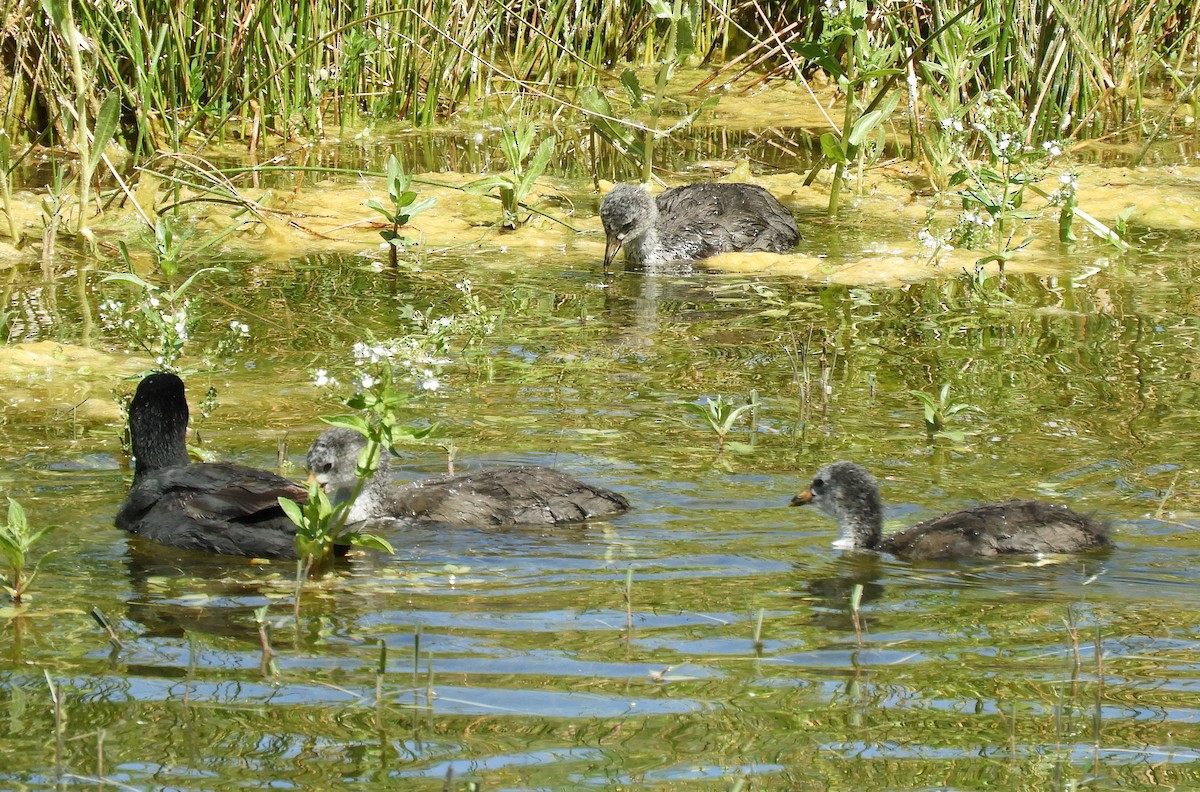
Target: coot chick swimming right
column 693, row 222
column 849, row 494
column 213, row 507
column 526, row 495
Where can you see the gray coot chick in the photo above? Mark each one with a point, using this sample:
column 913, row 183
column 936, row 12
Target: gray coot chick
column 693, row 222
column 214, row 507
column 528, row 495
column 849, row 494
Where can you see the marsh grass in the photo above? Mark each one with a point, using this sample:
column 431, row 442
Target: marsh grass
column 184, row 74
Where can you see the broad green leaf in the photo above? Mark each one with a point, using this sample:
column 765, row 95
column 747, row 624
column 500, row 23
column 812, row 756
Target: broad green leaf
column 863, row 126
column 831, row 147
column 633, row 87
column 129, row 277
column 355, row 422
column 371, row 541
column 172, row 296
column 685, row 43
column 537, row 166
column 420, row 206
column 106, row 126
column 17, row 521
column 485, row 185
column 293, row 511
column 378, row 207
column 59, row 13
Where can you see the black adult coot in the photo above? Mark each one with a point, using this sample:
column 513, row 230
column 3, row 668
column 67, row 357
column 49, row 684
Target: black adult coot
column 215, row 507
column 849, row 494
column 528, row 495
column 693, row 222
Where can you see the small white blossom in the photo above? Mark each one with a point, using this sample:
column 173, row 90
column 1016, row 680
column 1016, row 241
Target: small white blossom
column 321, row 378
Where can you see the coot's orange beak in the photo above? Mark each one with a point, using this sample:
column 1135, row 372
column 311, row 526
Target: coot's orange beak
column 610, row 250
column 312, row 477
column 802, row 498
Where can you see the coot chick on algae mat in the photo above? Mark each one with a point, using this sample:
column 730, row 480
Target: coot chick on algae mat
column 693, row 222
column 849, row 494
column 214, row 507
column 526, row 495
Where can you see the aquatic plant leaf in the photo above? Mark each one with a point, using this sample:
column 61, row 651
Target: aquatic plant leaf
column 106, row 126
column 378, row 207
column 537, row 166
column 355, row 422
column 831, row 147
column 370, row 541
column 633, row 87
column 685, row 40
column 485, row 185
column 292, row 510
column 58, row 11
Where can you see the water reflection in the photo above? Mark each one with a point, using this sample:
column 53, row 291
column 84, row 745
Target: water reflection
column 509, row 659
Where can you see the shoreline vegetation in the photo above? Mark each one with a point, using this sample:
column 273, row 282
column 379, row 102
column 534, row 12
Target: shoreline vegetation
column 138, row 105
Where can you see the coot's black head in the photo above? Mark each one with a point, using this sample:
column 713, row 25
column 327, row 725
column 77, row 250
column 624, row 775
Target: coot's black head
column 849, row 494
column 158, row 417
column 627, row 212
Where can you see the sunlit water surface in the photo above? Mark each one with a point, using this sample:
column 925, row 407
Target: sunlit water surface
column 707, row 638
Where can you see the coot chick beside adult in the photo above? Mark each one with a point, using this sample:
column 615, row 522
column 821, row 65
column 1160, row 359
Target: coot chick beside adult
column 528, row 495
column 214, row 507
column 693, row 222
column 849, row 494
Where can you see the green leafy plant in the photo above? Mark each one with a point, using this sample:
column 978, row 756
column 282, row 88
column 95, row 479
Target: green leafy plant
column 938, row 410
column 160, row 321
column 857, row 56
column 948, row 75
column 623, row 134
column 721, row 415
column 525, row 165
column 405, row 205
column 16, row 541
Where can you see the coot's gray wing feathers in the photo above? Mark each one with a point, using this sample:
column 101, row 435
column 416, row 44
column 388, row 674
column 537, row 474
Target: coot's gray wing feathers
column 527, row 495
column 1022, row 527
column 215, row 508
column 701, row 220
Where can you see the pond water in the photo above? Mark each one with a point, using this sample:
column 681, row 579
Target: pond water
column 623, row 654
